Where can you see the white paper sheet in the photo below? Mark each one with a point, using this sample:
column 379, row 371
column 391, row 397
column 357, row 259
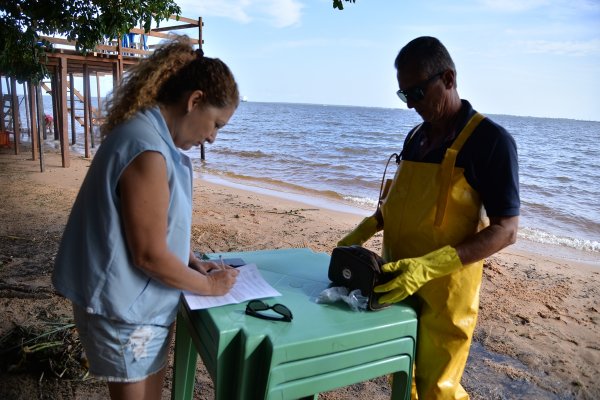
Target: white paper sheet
column 249, row 285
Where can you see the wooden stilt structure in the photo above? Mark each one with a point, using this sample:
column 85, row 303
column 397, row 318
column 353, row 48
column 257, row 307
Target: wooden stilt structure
column 72, row 103
column 64, row 65
column 33, row 128
column 55, row 105
column 2, row 123
column 16, row 118
column 86, row 108
column 27, row 114
column 40, row 113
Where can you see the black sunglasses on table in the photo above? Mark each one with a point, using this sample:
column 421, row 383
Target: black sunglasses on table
column 255, row 308
column 417, row 92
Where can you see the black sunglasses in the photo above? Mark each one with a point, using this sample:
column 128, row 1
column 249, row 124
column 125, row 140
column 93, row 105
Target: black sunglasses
column 254, row 308
column 417, row 92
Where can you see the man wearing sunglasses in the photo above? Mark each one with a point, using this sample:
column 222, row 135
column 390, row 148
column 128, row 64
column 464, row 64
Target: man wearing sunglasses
column 453, row 166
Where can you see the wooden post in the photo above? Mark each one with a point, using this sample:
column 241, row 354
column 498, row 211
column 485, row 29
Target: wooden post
column 119, row 58
column 99, row 109
column 86, row 109
column 40, row 110
column 200, row 25
column 54, row 82
column 55, row 94
column 33, row 132
column 90, row 108
column 2, row 127
column 64, row 135
column 42, row 107
column 115, row 75
column 72, row 99
column 26, row 96
column 15, row 112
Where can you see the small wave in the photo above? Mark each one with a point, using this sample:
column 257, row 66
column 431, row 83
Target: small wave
column 352, row 150
column 273, row 184
column 563, row 179
column 362, row 202
column 242, row 153
column 540, row 236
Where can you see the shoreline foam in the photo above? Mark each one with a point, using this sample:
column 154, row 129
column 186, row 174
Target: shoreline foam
column 524, row 245
column 308, row 199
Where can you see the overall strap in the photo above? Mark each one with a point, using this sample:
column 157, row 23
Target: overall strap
column 447, row 166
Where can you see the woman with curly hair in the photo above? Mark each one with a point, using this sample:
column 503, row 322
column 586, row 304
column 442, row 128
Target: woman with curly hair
column 125, row 256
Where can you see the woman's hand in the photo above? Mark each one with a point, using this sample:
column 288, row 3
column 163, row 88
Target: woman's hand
column 204, row 267
column 221, row 279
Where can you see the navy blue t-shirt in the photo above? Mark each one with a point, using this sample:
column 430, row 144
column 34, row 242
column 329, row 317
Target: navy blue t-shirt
column 489, row 158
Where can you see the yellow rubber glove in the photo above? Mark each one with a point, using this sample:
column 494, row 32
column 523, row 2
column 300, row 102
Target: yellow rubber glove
column 415, row 272
column 360, row 234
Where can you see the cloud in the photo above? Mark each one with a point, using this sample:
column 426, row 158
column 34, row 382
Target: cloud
column 278, row 13
column 570, row 48
column 281, row 13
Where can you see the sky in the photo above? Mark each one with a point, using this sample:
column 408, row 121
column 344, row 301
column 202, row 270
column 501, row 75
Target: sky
column 537, row 58
column 516, row 57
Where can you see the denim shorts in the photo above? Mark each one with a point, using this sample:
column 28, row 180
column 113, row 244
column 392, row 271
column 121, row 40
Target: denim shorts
column 120, row 352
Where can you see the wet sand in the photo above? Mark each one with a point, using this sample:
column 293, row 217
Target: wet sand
column 536, row 338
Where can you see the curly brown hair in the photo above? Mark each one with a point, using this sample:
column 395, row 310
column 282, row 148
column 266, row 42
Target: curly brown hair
column 172, row 71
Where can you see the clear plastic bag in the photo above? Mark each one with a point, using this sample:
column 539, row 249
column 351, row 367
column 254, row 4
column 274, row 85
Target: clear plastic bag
column 354, row 299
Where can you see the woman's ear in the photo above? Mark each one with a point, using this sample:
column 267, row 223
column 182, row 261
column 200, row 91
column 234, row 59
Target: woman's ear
column 195, row 99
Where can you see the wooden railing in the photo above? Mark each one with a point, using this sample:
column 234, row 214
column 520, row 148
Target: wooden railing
column 115, row 47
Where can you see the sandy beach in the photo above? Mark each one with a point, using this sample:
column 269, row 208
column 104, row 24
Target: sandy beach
column 537, row 335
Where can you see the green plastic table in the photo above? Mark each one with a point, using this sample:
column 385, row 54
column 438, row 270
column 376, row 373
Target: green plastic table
column 325, row 347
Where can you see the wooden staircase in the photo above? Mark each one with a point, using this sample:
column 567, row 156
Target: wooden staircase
column 7, row 107
column 7, row 123
column 96, row 115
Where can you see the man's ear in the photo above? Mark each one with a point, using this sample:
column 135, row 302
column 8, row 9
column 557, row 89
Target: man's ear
column 195, row 99
column 449, row 79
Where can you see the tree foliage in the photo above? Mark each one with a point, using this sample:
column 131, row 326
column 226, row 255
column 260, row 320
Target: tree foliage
column 339, row 4
column 86, row 21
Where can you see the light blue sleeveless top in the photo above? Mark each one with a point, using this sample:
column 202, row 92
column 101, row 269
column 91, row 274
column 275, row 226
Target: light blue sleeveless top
column 93, row 267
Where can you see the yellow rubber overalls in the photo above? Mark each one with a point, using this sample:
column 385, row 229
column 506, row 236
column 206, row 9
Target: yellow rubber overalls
column 427, row 207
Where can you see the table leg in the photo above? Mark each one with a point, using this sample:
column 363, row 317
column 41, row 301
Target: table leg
column 184, row 368
column 400, row 386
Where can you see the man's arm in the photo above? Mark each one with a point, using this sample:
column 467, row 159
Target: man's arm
column 412, row 273
column 501, row 232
